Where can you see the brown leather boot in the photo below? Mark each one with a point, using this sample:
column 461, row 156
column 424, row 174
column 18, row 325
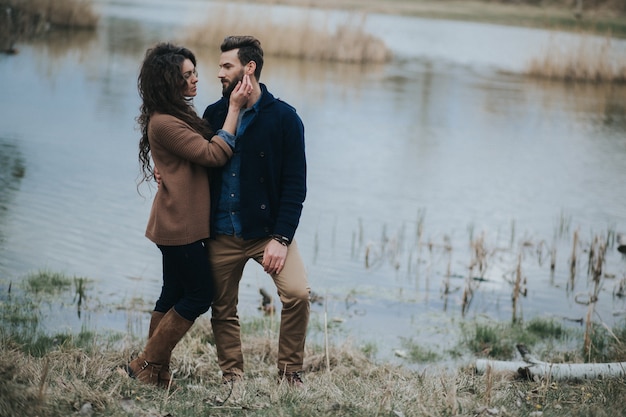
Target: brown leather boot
column 165, row 378
column 158, row 350
column 155, row 319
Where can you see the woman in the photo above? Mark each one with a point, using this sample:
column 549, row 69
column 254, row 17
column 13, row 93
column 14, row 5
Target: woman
column 182, row 146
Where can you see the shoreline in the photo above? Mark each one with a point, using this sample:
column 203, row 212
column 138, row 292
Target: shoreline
column 599, row 21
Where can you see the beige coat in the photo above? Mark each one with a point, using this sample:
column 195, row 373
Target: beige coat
column 181, row 207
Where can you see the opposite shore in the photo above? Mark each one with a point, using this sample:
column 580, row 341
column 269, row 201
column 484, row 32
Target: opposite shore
column 603, row 17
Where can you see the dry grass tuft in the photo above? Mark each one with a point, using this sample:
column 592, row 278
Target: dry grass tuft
column 301, row 38
column 586, row 62
column 46, row 386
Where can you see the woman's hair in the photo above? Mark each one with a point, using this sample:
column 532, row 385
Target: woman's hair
column 161, row 86
column 249, row 50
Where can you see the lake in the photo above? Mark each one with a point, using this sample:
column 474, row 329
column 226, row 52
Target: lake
column 442, row 158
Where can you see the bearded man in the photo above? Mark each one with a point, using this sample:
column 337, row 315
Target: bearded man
column 257, row 200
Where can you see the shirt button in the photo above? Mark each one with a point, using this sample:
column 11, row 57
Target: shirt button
column 233, row 174
column 262, row 154
column 232, row 194
column 262, row 206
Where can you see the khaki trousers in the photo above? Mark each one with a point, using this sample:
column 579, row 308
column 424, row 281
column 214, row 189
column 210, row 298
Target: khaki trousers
column 228, row 255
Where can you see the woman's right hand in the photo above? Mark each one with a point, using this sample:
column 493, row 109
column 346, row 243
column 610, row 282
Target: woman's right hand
column 241, row 93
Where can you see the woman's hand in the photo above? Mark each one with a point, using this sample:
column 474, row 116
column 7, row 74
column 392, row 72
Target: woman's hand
column 239, row 98
column 240, row 95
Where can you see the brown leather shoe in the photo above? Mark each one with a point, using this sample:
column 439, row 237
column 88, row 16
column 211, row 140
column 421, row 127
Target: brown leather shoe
column 158, row 351
column 293, row 379
column 165, row 377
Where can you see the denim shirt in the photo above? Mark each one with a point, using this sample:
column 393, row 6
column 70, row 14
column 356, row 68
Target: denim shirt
column 227, row 216
column 229, row 138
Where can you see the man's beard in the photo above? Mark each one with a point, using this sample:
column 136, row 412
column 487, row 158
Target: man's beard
column 228, row 88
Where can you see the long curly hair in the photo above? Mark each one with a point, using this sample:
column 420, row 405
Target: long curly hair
column 161, row 86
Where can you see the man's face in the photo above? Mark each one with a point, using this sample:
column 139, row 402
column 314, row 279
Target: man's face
column 231, row 71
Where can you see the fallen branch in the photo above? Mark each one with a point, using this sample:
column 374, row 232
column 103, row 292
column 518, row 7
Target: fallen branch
column 532, row 368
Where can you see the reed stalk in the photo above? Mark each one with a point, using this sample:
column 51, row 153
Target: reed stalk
column 326, row 337
column 468, row 293
column 488, row 385
column 597, row 253
column 517, row 288
column 42, row 380
column 446, row 281
column 573, row 260
column 512, row 239
column 553, row 257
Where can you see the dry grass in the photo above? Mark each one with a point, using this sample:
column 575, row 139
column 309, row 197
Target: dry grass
column 86, row 379
column 588, row 61
column 82, row 374
column 304, row 37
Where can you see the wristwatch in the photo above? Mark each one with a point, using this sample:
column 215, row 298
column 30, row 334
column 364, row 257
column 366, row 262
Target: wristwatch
column 285, row 241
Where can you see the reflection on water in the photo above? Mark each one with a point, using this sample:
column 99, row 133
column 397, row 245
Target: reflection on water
column 409, row 163
column 12, row 170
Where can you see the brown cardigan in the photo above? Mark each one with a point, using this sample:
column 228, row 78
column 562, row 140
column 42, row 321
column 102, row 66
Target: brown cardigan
column 181, row 206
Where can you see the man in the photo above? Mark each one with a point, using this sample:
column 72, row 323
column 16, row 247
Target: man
column 256, row 206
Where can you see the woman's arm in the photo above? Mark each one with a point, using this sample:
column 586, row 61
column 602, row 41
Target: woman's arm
column 171, row 140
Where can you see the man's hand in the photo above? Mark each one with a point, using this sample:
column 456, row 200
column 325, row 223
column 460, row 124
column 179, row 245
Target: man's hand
column 274, row 257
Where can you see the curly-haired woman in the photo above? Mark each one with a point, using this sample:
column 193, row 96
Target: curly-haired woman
column 182, row 147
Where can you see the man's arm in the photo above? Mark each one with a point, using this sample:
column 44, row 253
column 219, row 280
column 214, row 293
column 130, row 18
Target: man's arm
column 292, row 180
column 293, row 193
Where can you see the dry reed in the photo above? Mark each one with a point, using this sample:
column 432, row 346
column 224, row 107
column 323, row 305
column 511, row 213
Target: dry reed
column 478, row 263
column 587, row 61
column 60, row 13
column 303, row 38
column 23, row 19
column 597, row 253
column 553, row 258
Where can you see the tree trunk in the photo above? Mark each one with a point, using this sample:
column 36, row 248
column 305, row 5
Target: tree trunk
column 554, row 371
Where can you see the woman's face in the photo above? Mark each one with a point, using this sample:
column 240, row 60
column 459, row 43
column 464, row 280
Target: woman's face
column 191, row 78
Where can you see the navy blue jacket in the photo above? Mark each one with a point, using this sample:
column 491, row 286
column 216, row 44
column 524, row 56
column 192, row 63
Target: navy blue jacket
column 273, row 168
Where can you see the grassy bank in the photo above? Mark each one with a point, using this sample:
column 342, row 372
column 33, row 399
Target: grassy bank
column 80, row 374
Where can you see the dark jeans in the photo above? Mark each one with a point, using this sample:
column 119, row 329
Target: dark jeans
column 187, row 280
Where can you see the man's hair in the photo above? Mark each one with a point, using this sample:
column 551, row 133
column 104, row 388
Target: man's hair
column 249, row 50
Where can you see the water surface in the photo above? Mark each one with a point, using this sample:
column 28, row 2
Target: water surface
column 440, row 146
